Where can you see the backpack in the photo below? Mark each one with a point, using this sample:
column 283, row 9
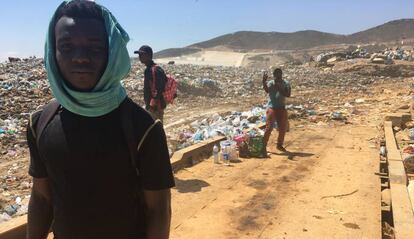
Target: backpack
column 170, row 90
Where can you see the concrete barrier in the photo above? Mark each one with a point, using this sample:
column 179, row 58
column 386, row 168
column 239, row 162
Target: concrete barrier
column 402, row 211
column 194, row 154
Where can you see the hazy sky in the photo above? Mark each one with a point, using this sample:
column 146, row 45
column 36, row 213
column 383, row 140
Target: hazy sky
column 177, row 23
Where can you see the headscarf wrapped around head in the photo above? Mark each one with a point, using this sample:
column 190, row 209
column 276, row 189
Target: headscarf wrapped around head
column 108, row 94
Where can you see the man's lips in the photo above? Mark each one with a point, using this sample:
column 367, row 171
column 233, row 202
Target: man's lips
column 82, row 72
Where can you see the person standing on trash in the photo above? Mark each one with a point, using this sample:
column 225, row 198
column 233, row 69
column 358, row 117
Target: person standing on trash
column 277, row 90
column 154, row 83
column 91, row 177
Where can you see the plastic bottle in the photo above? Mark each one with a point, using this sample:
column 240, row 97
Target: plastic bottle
column 216, row 154
column 383, row 151
column 226, row 155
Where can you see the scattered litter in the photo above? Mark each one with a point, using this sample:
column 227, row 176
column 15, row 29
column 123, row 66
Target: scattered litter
column 334, row 212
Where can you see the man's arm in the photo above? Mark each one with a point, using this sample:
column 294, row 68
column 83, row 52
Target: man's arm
column 158, row 213
column 264, row 82
column 40, row 214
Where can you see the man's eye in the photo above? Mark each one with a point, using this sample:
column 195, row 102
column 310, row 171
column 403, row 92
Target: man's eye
column 65, row 47
column 97, row 49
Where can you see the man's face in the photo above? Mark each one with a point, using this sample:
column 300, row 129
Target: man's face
column 144, row 58
column 81, row 51
column 277, row 76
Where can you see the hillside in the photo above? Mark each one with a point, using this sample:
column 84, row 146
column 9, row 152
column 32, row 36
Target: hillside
column 250, row 40
column 272, row 40
column 391, row 31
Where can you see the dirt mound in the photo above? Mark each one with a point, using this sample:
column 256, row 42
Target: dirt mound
column 365, row 68
column 186, row 89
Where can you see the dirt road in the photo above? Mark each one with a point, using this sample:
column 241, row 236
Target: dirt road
column 325, row 188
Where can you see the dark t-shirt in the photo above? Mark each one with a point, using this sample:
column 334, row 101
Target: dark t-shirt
column 93, row 182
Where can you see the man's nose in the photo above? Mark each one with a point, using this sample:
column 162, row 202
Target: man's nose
column 81, row 56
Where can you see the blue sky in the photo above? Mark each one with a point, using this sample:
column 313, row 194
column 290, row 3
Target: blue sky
column 177, row 23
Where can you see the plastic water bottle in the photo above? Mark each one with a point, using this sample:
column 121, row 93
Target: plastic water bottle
column 383, row 151
column 216, row 154
column 226, row 155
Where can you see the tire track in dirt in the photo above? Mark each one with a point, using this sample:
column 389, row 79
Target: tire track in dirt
column 255, row 215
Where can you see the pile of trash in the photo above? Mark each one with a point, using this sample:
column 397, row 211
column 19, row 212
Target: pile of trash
column 398, row 54
column 18, row 208
column 208, row 81
column 15, row 187
column 405, row 137
column 23, row 89
column 329, row 57
column 230, row 126
column 386, row 56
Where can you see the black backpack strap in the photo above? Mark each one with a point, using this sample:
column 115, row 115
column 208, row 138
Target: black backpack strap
column 134, row 145
column 129, row 132
column 46, row 116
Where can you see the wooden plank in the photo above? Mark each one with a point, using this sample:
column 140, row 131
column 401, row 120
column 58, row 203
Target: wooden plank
column 392, row 150
column 14, row 228
column 394, row 118
column 396, row 173
column 402, row 212
column 193, row 154
column 386, row 208
column 398, row 119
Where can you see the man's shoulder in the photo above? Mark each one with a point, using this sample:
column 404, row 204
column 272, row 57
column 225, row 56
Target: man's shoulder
column 270, row 83
column 139, row 114
column 158, row 68
column 33, row 121
column 34, row 117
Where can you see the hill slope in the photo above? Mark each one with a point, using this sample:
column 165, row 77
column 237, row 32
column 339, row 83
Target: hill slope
column 250, row 40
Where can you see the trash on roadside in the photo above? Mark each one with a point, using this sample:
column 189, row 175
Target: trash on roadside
column 409, row 164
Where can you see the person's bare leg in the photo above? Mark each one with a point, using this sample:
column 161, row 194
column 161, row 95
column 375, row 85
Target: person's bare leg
column 281, row 117
column 270, row 120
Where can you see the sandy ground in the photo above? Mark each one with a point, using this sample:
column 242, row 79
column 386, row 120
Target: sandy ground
column 324, row 188
column 212, row 58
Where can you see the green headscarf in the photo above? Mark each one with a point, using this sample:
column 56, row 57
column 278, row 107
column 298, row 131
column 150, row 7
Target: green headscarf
column 108, row 94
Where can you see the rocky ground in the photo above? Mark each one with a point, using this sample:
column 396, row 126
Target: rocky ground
column 327, row 103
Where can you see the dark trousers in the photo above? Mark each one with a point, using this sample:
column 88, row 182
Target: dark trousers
column 281, row 117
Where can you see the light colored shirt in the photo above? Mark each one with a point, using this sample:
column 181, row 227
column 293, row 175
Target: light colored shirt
column 277, row 98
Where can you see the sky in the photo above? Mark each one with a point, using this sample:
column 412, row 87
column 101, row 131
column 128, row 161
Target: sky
column 166, row 24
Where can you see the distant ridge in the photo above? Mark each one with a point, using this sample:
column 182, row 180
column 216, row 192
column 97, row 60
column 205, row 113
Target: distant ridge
column 250, row 40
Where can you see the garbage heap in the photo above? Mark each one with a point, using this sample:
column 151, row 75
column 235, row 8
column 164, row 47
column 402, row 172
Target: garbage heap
column 386, row 56
column 231, row 126
column 23, row 89
column 205, row 81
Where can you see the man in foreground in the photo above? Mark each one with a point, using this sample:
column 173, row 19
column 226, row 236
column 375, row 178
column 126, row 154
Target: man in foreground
column 89, row 175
